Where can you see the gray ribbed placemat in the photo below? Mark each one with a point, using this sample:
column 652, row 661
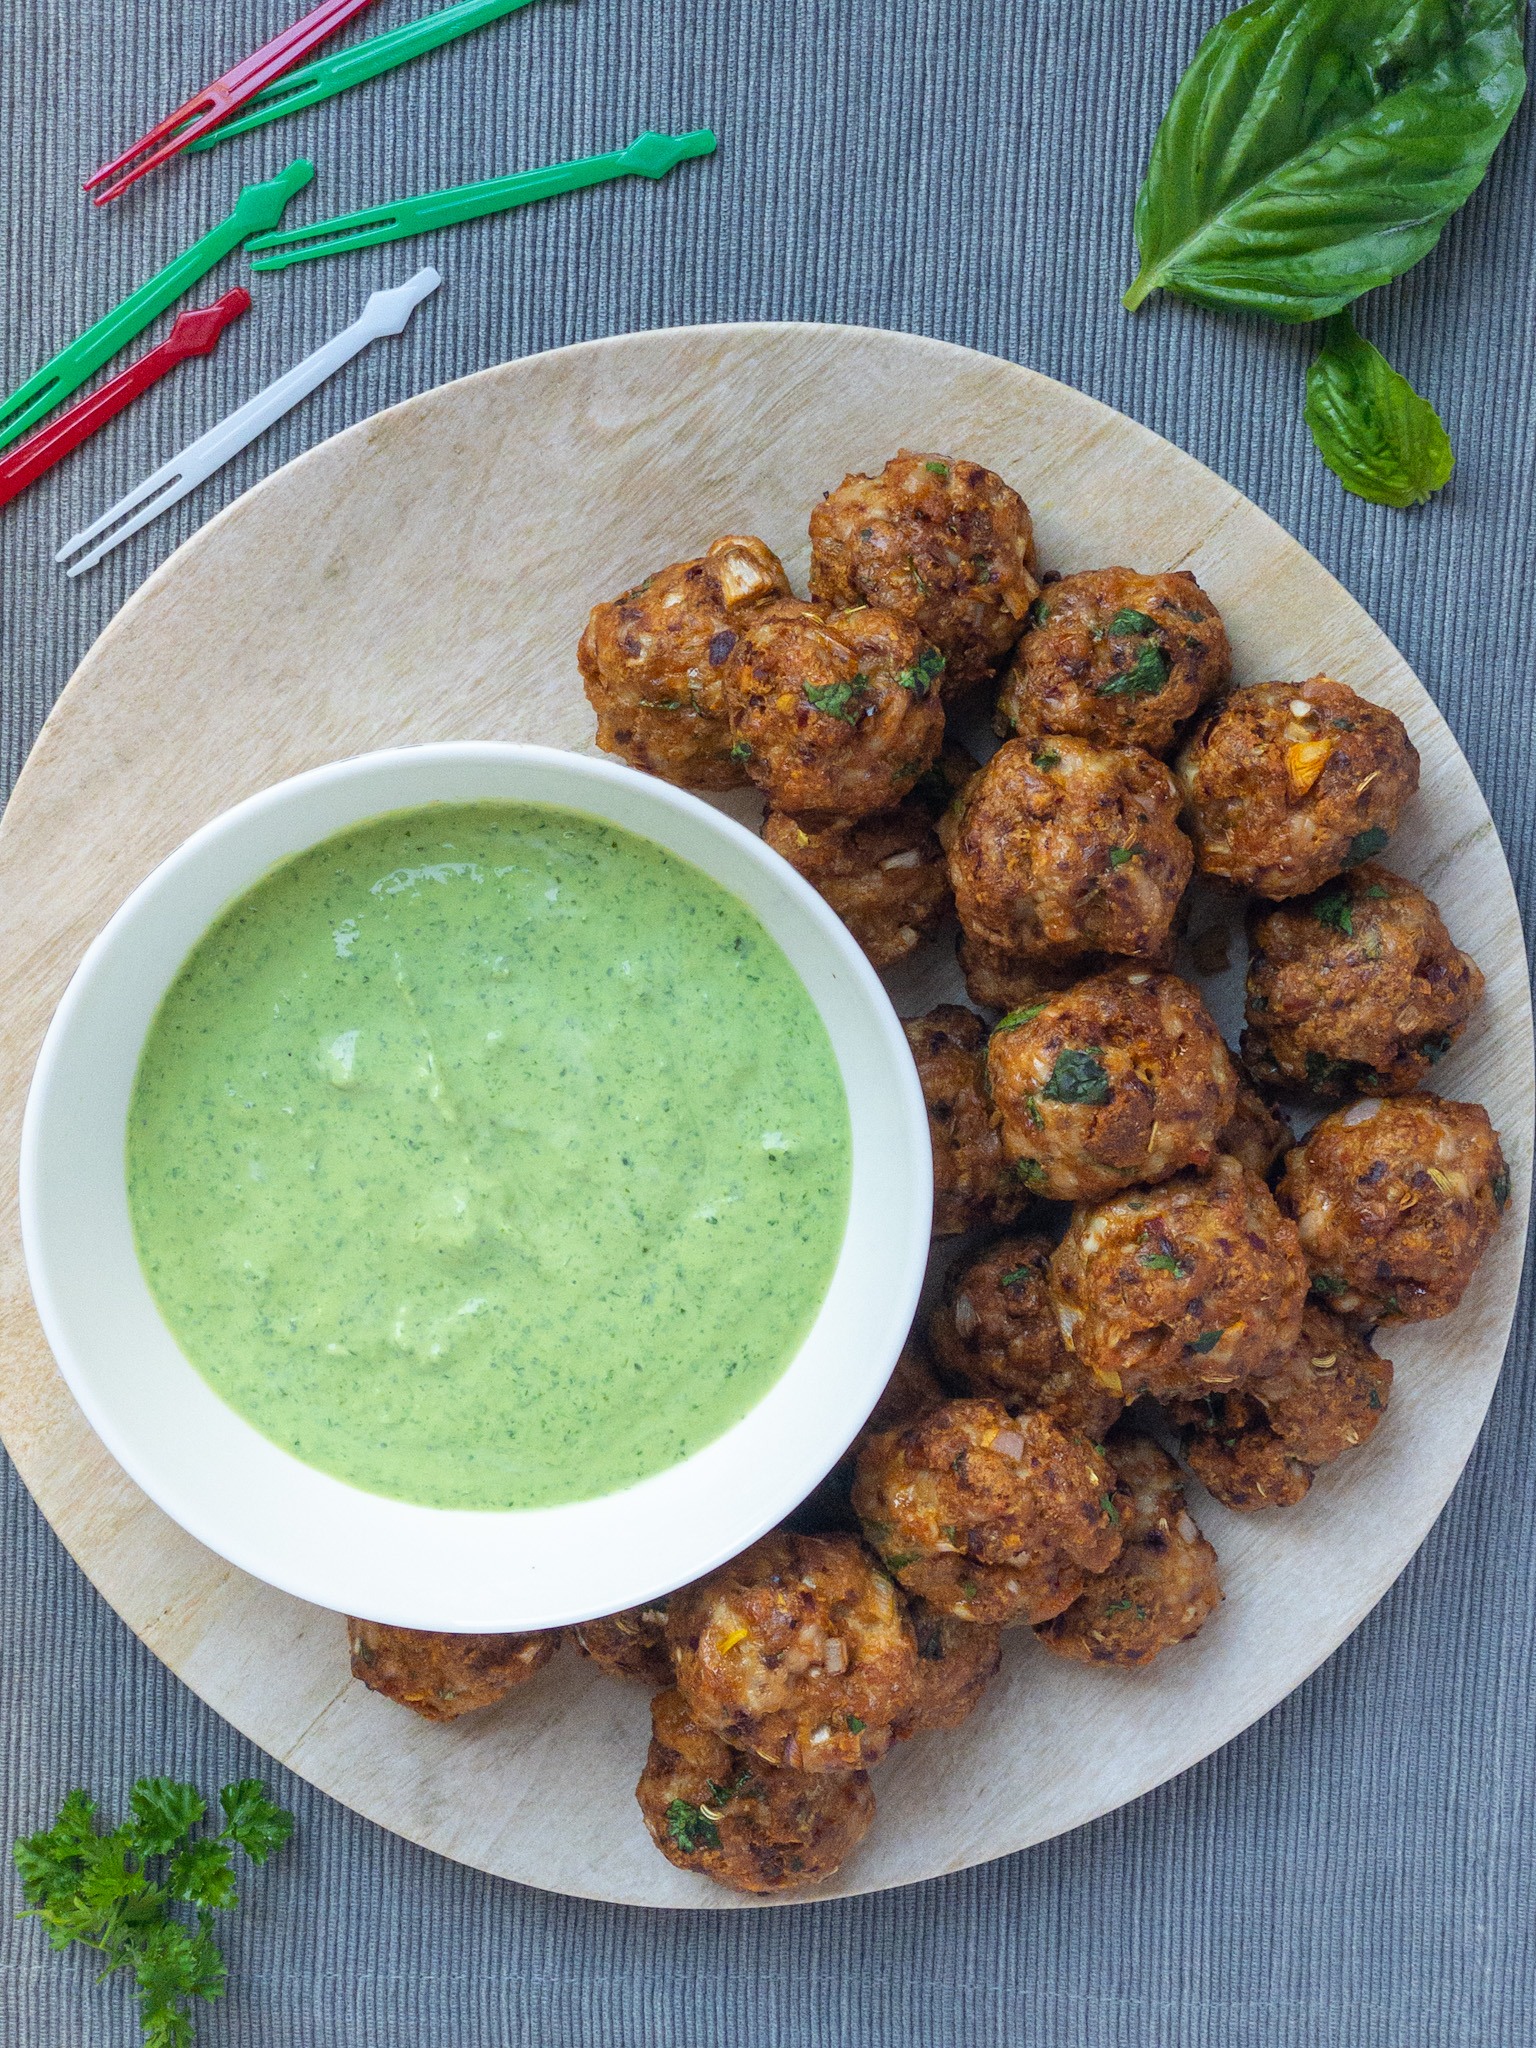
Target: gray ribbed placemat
column 1355, row 1872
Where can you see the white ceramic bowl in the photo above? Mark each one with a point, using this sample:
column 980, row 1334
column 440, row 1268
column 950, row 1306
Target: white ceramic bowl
column 319, row 1537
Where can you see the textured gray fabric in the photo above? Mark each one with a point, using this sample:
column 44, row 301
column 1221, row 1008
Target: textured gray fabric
column 1355, row 1872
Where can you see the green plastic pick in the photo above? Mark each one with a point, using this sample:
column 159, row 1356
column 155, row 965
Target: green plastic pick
column 331, row 75
column 259, row 206
column 648, row 156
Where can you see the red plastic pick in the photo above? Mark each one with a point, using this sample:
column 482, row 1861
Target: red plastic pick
column 195, row 334
column 216, row 102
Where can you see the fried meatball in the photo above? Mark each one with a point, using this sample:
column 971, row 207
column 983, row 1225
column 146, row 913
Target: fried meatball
column 885, row 876
column 1123, row 1078
column 995, row 1335
column 799, row 1650
column 1260, row 1448
column 1396, row 1201
column 1355, row 990
column 1288, row 784
column 836, row 712
column 1063, row 849
column 942, row 543
column 910, row 1391
column 750, row 1825
column 956, row 1662
column 997, row 980
column 441, row 1676
column 972, row 1181
column 1257, row 1135
column 986, row 1516
column 1163, row 1586
column 631, row 1644
column 653, row 661
column 1195, row 1284
column 1116, row 658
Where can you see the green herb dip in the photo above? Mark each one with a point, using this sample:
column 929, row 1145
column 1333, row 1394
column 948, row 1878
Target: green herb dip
column 488, row 1156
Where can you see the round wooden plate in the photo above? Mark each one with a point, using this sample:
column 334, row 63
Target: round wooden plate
column 426, row 577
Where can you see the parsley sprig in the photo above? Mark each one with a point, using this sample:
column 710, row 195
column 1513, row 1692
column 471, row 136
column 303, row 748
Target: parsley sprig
column 116, row 1891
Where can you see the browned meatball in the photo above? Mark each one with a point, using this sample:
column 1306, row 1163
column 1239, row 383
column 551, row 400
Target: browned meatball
column 910, row 1391
column 1063, row 848
column 995, row 1334
column 1396, row 1201
column 833, row 711
column 1116, row 658
column 1123, row 1078
column 631, row 1644
column 1288, row 784
column 653, row 661
column 1257, row 1135
column 1195, row 1284
column 945, row 544
column 1163, row 1586
column 750, row 1825
column 1358, row 989
column 885, row 876
column 1260, row 1448
column 800, row 1650
column 972, row 1181
column 997, row 980
column 441, row 1676
column 956, row 1662
column 987, row 1516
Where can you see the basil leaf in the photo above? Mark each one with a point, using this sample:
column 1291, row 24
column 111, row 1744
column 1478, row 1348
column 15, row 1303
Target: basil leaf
column 1316, row 148
column 1380, row 439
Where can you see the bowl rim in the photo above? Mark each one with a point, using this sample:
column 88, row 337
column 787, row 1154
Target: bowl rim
column 595, row 785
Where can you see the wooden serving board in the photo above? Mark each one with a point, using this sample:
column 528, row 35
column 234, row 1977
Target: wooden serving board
column 425, row 577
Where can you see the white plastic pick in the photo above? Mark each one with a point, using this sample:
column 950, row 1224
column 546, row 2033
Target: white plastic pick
column 386, row 313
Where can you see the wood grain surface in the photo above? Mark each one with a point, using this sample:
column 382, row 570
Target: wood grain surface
column 425, row 577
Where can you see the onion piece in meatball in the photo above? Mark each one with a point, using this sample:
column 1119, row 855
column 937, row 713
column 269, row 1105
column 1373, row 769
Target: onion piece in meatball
column 834, row 712
column 1123, row 1078
column 1358, row 989
column 1117, row 658
column 942, row 543
column 1396, row 1201
column 956, row 1662
column 987, row 1516
column 441, row 1676
column 1162, row 1588
column 629, row 1645
column 749, row 1825
column 885, row 876
column 1288, row 784
column 1193, row 1285
column 799, row 1650
column 653, row 661
column 1257, row 1135
column 1061, row 849
column 995, row 1336
column 972, row 1181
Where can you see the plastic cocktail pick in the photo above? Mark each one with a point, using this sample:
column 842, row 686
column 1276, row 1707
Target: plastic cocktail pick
column 210, row 106
column 386, row 313
column 195, row 334
column 331, row 75
column 259, row 206
column 649, row 156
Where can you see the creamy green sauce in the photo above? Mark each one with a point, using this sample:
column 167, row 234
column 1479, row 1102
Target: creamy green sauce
column 488, row 1156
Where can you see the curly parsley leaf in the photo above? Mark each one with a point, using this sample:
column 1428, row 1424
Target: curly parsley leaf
column 1334, row 909
column 98, row 1888
column 922, row 675
column 1316, row 148
column 691, row 1828
column 1078, row 1077
column 1379, row 437
column 1146, row 679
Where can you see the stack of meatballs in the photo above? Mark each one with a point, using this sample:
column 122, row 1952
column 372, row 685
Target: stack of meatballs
column 1149, row 1261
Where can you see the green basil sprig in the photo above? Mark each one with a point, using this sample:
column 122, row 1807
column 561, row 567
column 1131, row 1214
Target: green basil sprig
column 1316, row 148
column 1380, row 439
